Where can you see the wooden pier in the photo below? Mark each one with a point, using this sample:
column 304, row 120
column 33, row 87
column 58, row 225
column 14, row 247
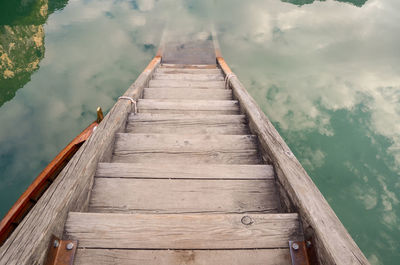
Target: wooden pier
column 184, row 169
column 185, row 175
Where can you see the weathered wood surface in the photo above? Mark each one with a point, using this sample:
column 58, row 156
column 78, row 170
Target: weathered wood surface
column 188, row 66
column 187, row 84
column 183, row 196
column 190, row 50
column 182, row 231
column 187, row 124
column 183, row 257
column 333, row 242
column 185, row 171
column 69, row 192
column 172, row 148
column 189, row 77
column 193, row 93
column 211, row 107
column 162, row 70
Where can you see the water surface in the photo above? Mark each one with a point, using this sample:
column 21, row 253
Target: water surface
column 327, row 73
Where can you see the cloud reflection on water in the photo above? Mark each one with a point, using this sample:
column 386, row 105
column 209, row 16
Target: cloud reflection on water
column 327, row 74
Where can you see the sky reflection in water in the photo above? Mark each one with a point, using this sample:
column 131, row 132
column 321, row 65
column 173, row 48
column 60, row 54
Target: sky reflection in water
column 327, row 73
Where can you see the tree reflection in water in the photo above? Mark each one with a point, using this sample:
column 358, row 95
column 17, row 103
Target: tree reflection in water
column 22, row 41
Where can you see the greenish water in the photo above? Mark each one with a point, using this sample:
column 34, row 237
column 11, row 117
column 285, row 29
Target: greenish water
column 327, row 73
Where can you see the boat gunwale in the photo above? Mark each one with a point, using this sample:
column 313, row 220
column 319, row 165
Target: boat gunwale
column 34, row 191
column 70, row 191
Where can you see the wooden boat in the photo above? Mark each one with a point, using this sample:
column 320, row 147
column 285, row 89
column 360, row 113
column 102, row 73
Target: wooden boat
column 184, row 169
column 33, row 193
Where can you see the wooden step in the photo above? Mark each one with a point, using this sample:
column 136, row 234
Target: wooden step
column 182, row 231
column 187, row 71
column 177, row 148
column 189, row 77
column 188, row 84
column 189, row 66
column 191, row 93
column 183, row 196
column 187, row 124
column 212, row 107
column 183, row 257
column 185, row 171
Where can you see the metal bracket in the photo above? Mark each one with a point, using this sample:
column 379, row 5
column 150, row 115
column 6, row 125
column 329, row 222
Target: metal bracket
column 61, row 252
column 298, row 253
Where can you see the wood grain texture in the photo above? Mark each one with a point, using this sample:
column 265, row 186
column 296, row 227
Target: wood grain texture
column 212, row 107
column 184, row 171
column 187, row 51
column 188, row 84
column 69, row 192
column 182, row 231
column 183, row 257
column 187, row 124
column 188, row 66
column 175, row 148
column 235, row 119
column 183, row 196
column 188, row 77
column 333, row 242
column 189, row 93
column 161, row 70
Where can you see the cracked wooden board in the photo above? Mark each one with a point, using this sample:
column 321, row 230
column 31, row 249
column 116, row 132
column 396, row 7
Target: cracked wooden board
column 182, row 231
column 183, row 196
column 187, row 124
column 183, row 257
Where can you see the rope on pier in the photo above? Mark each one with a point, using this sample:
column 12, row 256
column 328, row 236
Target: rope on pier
column 132, row 101
column 228, row 79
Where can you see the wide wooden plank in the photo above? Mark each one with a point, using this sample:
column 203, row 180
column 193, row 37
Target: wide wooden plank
column 187, row 71
column 183, row 196
column 183, row 257
column 333, row 243
column 29, row 242
column 184, row 171
column 242, row 157
column 189, row 51
column 191, row 93
column 145, row 117
column 188, row 106
column 189, row 77
column 187, row 124
column 176, row 148
column 182, row 231
column 193, row 84
column 189, row 66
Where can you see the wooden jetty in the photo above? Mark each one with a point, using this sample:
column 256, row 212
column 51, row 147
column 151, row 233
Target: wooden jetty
column 184, row 169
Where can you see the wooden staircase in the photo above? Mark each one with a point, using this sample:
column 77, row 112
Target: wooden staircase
column 186, row 183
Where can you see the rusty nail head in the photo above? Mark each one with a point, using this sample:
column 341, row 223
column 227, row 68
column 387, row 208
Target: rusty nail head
column 295, row 246
column 56, row 243
column 70, row 246
column 246, row 220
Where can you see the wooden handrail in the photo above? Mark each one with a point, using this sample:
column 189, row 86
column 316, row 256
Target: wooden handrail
column 32, row 194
